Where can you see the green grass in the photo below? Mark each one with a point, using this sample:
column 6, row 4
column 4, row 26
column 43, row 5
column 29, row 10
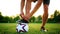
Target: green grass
column 34, row 28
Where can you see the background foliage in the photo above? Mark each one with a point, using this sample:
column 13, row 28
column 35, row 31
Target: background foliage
column 54, row 18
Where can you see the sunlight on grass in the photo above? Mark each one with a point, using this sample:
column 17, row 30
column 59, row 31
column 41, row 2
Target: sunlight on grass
column 34, row 28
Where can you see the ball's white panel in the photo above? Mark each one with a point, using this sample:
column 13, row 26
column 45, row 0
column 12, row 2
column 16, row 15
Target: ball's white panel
column 19, row 27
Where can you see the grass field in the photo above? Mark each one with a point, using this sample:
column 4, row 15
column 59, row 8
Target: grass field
column 34, row 28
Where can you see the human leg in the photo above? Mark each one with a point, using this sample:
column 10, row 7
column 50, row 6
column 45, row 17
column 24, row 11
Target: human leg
column 28, row 6
column 22, row 7
column 45, row 15
column 27, row 9
column 28, row 16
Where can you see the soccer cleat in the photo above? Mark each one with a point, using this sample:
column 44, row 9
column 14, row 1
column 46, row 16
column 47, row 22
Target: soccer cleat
column 22, row 21
column 43, row 29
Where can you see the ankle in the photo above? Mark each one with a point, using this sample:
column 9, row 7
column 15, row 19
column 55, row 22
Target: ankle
column 43, row 28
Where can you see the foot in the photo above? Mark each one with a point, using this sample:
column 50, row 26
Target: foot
column 43, row 29
column 22, row 15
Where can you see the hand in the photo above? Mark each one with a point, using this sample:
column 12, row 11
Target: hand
column 21, row 14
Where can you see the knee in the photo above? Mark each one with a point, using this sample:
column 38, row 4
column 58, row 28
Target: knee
column 46, row 9
column 45, row 6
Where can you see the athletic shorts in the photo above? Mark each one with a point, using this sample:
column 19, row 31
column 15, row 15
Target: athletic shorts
column 46, row 2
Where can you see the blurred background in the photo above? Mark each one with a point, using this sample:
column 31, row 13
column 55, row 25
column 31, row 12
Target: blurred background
column 10, row 10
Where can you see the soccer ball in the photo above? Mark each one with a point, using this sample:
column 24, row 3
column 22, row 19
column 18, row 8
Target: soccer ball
column 22, row 27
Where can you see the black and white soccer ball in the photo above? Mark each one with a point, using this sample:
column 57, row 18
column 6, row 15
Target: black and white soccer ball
column 22, row 27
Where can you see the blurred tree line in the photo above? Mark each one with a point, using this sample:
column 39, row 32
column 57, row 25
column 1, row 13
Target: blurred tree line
column 7, row 19
column 54, row 18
